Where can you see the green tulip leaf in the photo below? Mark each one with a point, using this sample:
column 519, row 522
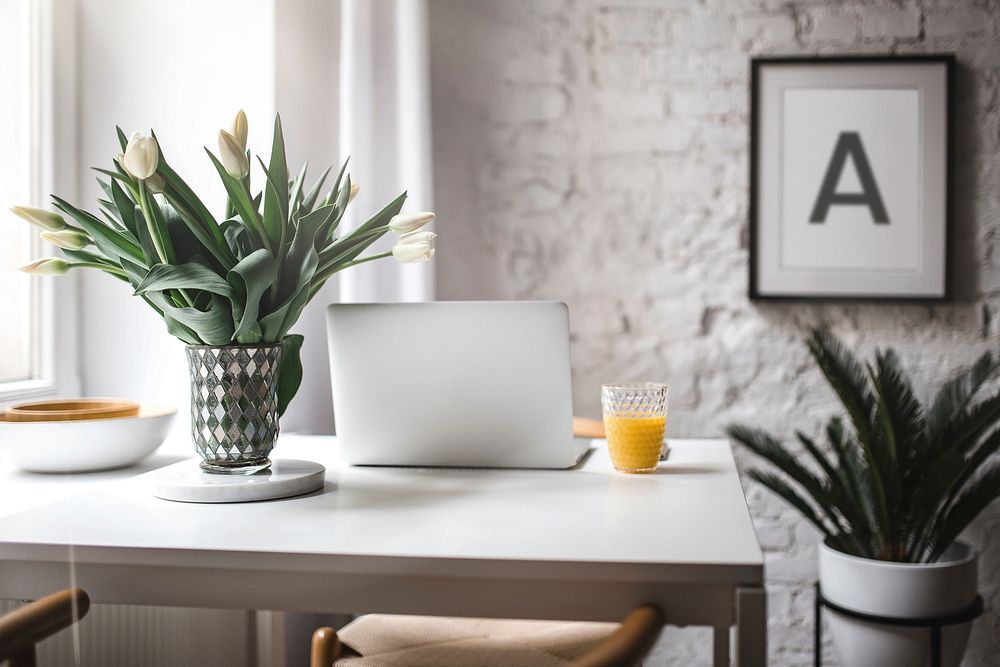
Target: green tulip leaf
column 191, row 275
column 309, row 200
column 125, row 205
column 335, row 190
column 294, row 281
column 213, row 326
column 112, row 243
column 289, row 371
column 122, row 137
column 276, row 201
column 295, row 194
column 249, row 279
column 145, row 240
column 237, row 238
column 178, row 330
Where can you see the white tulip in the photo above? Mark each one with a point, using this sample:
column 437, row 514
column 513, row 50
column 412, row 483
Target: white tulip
column 47, row 266
column 233, row 157
column 67, row 239
column 156, row 183
column 354, row 192
column 40, row 217
column 240, row 129
column 141, row 156
column 405, row 223
column 414, row 247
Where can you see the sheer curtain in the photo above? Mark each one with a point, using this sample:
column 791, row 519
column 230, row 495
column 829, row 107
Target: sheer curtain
column 385, row 129
column 375, row 107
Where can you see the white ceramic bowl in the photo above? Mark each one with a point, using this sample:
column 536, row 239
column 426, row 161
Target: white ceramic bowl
column 86, row 445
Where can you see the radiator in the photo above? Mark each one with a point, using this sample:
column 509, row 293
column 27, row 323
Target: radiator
column 134, row 636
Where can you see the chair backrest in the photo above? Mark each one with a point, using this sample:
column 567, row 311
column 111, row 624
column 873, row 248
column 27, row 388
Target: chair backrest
column 626, row 647
column 630, row 643
column 23, row 628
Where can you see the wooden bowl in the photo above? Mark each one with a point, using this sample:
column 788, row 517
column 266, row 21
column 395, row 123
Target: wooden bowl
column 71, row 409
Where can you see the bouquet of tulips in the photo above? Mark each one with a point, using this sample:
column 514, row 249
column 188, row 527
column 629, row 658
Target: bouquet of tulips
column 240, row 278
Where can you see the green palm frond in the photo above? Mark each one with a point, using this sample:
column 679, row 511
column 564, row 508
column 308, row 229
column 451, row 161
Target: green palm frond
column 974, row 499
column 899, row 414
column 850, row 465
column 806, row 508
column 847, row 377
column 956, row 395
column 904, row 482
column 967, row 428
column 768, row 448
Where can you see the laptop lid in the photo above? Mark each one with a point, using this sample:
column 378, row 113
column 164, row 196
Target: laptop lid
column 453, row 383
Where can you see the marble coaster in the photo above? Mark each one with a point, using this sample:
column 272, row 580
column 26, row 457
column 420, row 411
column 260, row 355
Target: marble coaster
column 187, row 483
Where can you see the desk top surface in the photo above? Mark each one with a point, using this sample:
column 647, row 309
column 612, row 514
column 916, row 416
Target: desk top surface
column 689, row 521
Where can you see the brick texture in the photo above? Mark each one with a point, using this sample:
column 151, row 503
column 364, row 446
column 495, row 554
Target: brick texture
column 596, row 152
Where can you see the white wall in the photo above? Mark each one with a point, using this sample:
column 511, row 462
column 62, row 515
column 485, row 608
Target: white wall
column 183, row 68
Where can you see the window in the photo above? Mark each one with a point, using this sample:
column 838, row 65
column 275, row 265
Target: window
column 28, row 344
column 19, row 298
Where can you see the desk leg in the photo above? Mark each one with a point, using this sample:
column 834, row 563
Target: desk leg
column 751, row 627
column 720, row 646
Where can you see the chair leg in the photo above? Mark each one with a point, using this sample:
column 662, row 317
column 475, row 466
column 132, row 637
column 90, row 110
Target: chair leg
column 326, row 647
column 25, row 658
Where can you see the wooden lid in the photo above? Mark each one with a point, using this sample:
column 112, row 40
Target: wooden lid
column 70, row 409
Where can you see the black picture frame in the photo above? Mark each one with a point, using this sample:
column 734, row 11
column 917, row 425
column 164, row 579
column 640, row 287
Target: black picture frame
column 760, row 62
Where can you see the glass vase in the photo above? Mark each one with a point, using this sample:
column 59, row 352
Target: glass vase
column 234, row 405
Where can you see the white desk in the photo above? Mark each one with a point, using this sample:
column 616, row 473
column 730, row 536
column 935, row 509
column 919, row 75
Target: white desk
column 584, row 544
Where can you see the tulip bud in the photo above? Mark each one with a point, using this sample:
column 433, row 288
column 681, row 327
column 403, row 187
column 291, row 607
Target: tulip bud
column 405, row 223
column 240, row 129
column 354, row 192
column 414, row 247
column 67, row 239
column 141, row 156
column 40, row 217
column 234, row 159
column 47, row 266
column 156, row 184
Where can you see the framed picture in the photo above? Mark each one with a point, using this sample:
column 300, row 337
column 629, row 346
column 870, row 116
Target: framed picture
column 850, row 177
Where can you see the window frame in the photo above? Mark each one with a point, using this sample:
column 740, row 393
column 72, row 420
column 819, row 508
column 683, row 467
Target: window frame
column 51, row 112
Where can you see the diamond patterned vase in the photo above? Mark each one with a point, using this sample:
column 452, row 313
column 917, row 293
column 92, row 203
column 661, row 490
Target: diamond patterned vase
column 234, row 405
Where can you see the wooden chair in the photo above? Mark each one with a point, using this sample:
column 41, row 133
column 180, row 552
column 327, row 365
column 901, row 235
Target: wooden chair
column 23, row 628
column 379, row 640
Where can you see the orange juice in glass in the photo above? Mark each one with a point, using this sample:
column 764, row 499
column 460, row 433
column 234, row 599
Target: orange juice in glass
column 635, row 419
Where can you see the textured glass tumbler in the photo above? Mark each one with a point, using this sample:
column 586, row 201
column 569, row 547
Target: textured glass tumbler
column 234, row 405
column 635, row 419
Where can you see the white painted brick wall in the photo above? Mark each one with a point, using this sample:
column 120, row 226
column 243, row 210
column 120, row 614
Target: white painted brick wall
column 839, row 27
column 894, row 23
column 595, row 151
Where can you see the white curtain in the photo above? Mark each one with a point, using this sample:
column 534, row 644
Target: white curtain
column 385, row 128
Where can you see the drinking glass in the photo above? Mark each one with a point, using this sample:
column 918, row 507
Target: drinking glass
column 635, row 419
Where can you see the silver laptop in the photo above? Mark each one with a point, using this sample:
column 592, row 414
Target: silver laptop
column 453, row 383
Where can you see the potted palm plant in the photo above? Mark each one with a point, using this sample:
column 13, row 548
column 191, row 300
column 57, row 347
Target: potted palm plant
column 230, row 286
column 891, row 493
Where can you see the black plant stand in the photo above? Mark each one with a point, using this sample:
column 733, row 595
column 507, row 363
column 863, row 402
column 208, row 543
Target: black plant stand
column 935, row 623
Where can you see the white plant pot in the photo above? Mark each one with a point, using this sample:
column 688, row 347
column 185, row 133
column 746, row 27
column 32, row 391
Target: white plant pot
column 902, row 590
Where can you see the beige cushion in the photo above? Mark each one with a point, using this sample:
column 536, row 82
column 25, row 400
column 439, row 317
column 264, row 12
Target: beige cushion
column 428, row 641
